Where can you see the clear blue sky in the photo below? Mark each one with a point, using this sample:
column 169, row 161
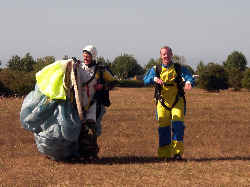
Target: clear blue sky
column 196, row 29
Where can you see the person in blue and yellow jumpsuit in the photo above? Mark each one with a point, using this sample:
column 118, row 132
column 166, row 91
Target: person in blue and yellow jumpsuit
column 170, row 114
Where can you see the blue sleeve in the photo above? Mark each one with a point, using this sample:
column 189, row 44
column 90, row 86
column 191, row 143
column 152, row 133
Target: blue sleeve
column 149, row 77
column 187, row 75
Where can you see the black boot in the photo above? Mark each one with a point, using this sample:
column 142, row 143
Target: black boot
column 88, row 147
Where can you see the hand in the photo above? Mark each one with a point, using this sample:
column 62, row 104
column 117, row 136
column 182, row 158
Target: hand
column 188, row 86
column 158, row 81
column 98, row 87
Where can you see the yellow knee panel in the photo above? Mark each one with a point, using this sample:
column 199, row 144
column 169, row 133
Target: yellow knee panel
column 177, row 147
column 165, row 117
column 165, row 151
column 178, row 111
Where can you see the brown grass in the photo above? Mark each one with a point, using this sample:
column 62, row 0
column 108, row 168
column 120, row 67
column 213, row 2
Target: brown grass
column 217, row 145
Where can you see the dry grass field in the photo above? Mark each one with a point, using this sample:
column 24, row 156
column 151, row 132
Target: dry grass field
column 217, row 145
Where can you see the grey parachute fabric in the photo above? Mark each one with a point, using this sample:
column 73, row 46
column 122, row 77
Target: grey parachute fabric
column 54, row 122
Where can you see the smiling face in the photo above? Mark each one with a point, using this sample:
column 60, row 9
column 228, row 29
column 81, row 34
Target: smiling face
column 166, row 55
column 87, row 58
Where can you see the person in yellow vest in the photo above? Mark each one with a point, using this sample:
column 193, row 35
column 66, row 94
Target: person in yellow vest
column 95, row 81
column 170, row 80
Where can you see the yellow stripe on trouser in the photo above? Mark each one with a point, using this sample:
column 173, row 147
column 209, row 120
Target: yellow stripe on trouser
column 165, row 117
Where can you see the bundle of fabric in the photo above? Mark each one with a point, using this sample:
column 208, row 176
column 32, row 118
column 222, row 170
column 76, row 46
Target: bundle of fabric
column 49, row 114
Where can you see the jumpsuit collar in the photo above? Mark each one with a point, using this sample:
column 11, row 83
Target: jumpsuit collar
column 167, row 66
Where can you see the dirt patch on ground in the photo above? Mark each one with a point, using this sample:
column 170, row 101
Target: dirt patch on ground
column 217, row 141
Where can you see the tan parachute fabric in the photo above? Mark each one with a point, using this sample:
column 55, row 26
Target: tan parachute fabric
column 75, row 77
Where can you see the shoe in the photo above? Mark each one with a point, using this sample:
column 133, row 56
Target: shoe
column 177, row 157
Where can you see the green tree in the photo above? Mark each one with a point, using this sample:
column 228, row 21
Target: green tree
column 66, row 57
column 200, row 68
column 246, row 79
column 126, row 66
column 179, row 59
column 213, row 77
column 234, row 78
column 14, row 82
column 182, row 60
column 42, row 62
column 236, row 60
column 15, row 63
column 27, row 62
column 152, row 62
column 21, row 64
column 235, row 65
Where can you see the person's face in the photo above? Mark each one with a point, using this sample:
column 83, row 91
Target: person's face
column 87, row 58
column 166, row 56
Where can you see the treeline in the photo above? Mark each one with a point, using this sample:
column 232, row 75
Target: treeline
column 18, row 78
column 233, row 73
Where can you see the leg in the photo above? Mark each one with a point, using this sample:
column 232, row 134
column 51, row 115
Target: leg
column 100, row 115
column 88, row 146
column 178, row 128
column 164, row 130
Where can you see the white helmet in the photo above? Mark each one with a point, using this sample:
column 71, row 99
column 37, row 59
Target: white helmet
column 92, row 50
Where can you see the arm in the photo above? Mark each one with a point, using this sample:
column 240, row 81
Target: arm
column 149, row 77
column 188, row 78
column 109, row 79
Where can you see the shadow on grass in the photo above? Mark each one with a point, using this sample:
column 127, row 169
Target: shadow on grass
column 144, row 160
column 219, row 159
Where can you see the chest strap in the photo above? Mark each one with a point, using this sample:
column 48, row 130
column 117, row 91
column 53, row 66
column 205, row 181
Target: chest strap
column 158, row 87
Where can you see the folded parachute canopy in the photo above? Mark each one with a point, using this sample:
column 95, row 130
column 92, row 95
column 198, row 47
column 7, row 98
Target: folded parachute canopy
column 49, row 115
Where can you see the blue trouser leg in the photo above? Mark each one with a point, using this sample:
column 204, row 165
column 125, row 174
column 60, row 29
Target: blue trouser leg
column 178, row 130
column 165, row 147
column 178, row 136
column 164, row 135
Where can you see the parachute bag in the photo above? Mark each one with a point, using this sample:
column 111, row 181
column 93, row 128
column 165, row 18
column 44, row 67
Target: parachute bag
column 54, row 121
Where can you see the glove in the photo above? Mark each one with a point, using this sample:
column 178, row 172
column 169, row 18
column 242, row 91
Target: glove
column 188, row 86
column 158, row 81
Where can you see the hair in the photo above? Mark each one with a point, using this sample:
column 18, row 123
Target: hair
column 167, row 48
column 85, row 51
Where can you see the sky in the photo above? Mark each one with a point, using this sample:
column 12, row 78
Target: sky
column 198, row 30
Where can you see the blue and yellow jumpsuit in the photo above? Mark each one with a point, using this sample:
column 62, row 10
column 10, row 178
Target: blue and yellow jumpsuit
column 171, row 122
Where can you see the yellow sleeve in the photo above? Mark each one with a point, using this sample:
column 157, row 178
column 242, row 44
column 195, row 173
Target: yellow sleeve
column 107, row 76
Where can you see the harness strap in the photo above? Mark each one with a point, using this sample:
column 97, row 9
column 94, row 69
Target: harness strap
column 85, row 109
column 100, row 70
column 158, row 87
column 93, row 76
column 161, row 100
